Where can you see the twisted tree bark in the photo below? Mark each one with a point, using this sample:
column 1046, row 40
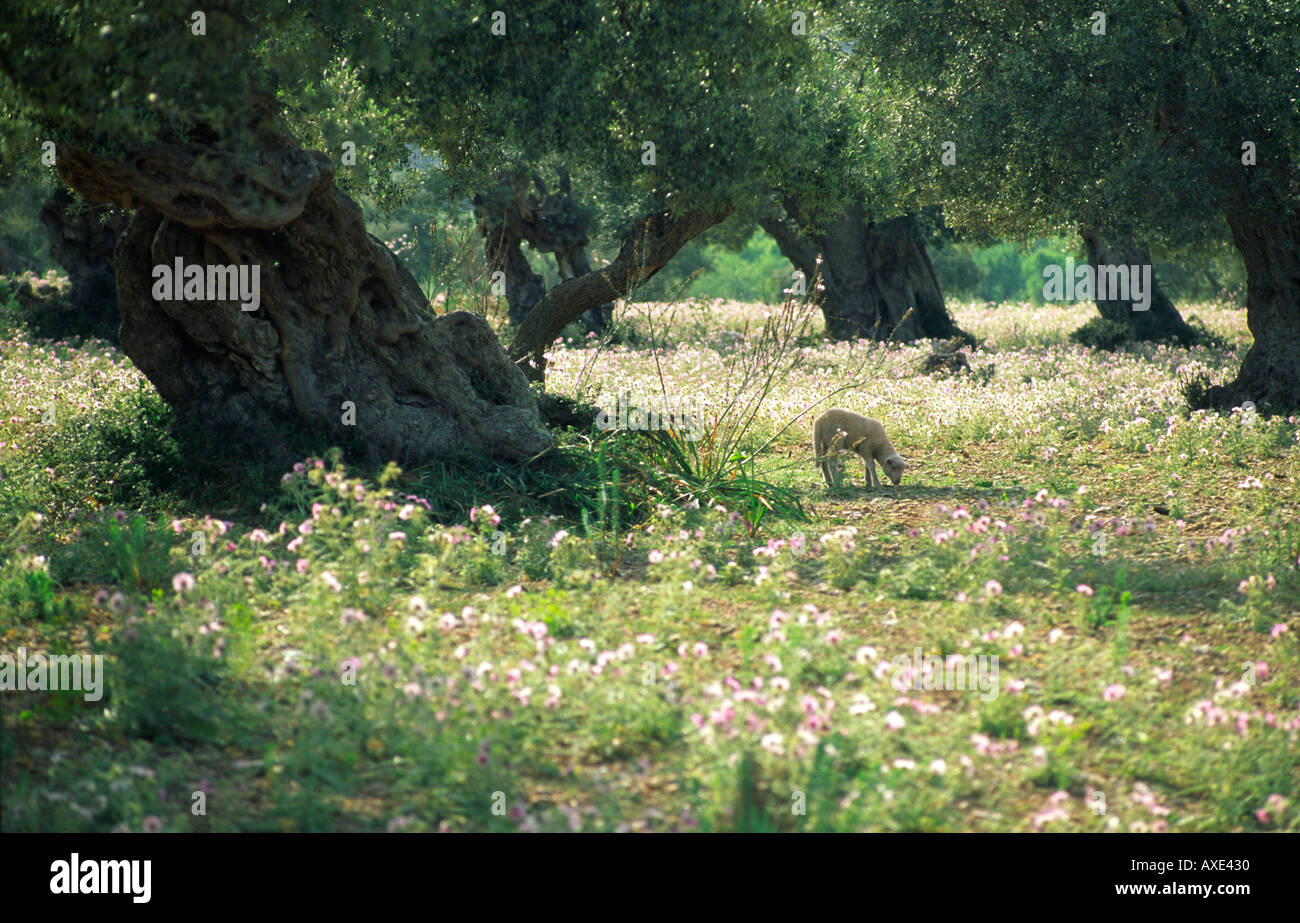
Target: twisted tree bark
column 872, row 273
column 652, row 242
column 521, row 209
column 1161, row 320
column 84, row 245
column 342, row 342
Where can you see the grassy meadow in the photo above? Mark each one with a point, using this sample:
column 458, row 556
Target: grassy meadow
column 642, row 632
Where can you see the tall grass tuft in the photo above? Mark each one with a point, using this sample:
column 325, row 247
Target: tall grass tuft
column 719, row 466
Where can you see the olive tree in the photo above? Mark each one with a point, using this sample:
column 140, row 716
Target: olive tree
column 1151, row 120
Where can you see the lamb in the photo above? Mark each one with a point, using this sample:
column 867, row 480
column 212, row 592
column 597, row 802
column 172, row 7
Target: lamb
column 839, row 430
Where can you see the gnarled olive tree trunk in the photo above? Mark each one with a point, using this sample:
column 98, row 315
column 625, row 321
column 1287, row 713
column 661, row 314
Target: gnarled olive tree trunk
column 1160, row 320
column 84, row 243
column 1268, row 236
column 872, row 274
column 647, row 248
column 512, row 213
column 342, row 332
column 504, row 252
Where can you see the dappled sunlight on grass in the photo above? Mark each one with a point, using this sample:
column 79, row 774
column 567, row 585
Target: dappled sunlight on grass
column 1079, row 610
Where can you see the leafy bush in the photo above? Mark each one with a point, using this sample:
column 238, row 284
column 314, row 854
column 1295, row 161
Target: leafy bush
column 1103, row 333
column 27, row 590
column 115, row 548
column 165, row 683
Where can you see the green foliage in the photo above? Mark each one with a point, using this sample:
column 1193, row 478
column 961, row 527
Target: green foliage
column 49, row 311
column 708, row 459
column 121, row 454
column 20, row 226
column 1063, row 747
column 1195, row 390
column 166, row 682
column 1012, row 273
column 712, row 266
column 28, row 591
column 1109, row 605
column 1104, row 333
column 997, row 272
column 1006, row 272
column 589, row 83
column 704, row 472
column 1212, row 271
column 1040, row 150
column 127, row 551
column 469, row 557
column 958, row 274
column 1003, row 718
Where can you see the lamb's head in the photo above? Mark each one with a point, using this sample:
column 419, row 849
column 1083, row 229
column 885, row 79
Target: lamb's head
column 894, row 466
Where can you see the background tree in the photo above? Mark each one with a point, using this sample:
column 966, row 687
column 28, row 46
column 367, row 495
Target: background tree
column 1152, row 123
column 1160, row 320
column 83, row 241
column 520, row 209
column 188, row 121
column 679, row 116
column 877, row 280
column 876, row 277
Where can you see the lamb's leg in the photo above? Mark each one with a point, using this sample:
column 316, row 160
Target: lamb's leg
column 873, row 480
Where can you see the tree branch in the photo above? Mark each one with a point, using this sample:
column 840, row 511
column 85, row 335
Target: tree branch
column 646, row 249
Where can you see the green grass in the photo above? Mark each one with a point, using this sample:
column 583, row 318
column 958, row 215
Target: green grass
column 615, row 638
